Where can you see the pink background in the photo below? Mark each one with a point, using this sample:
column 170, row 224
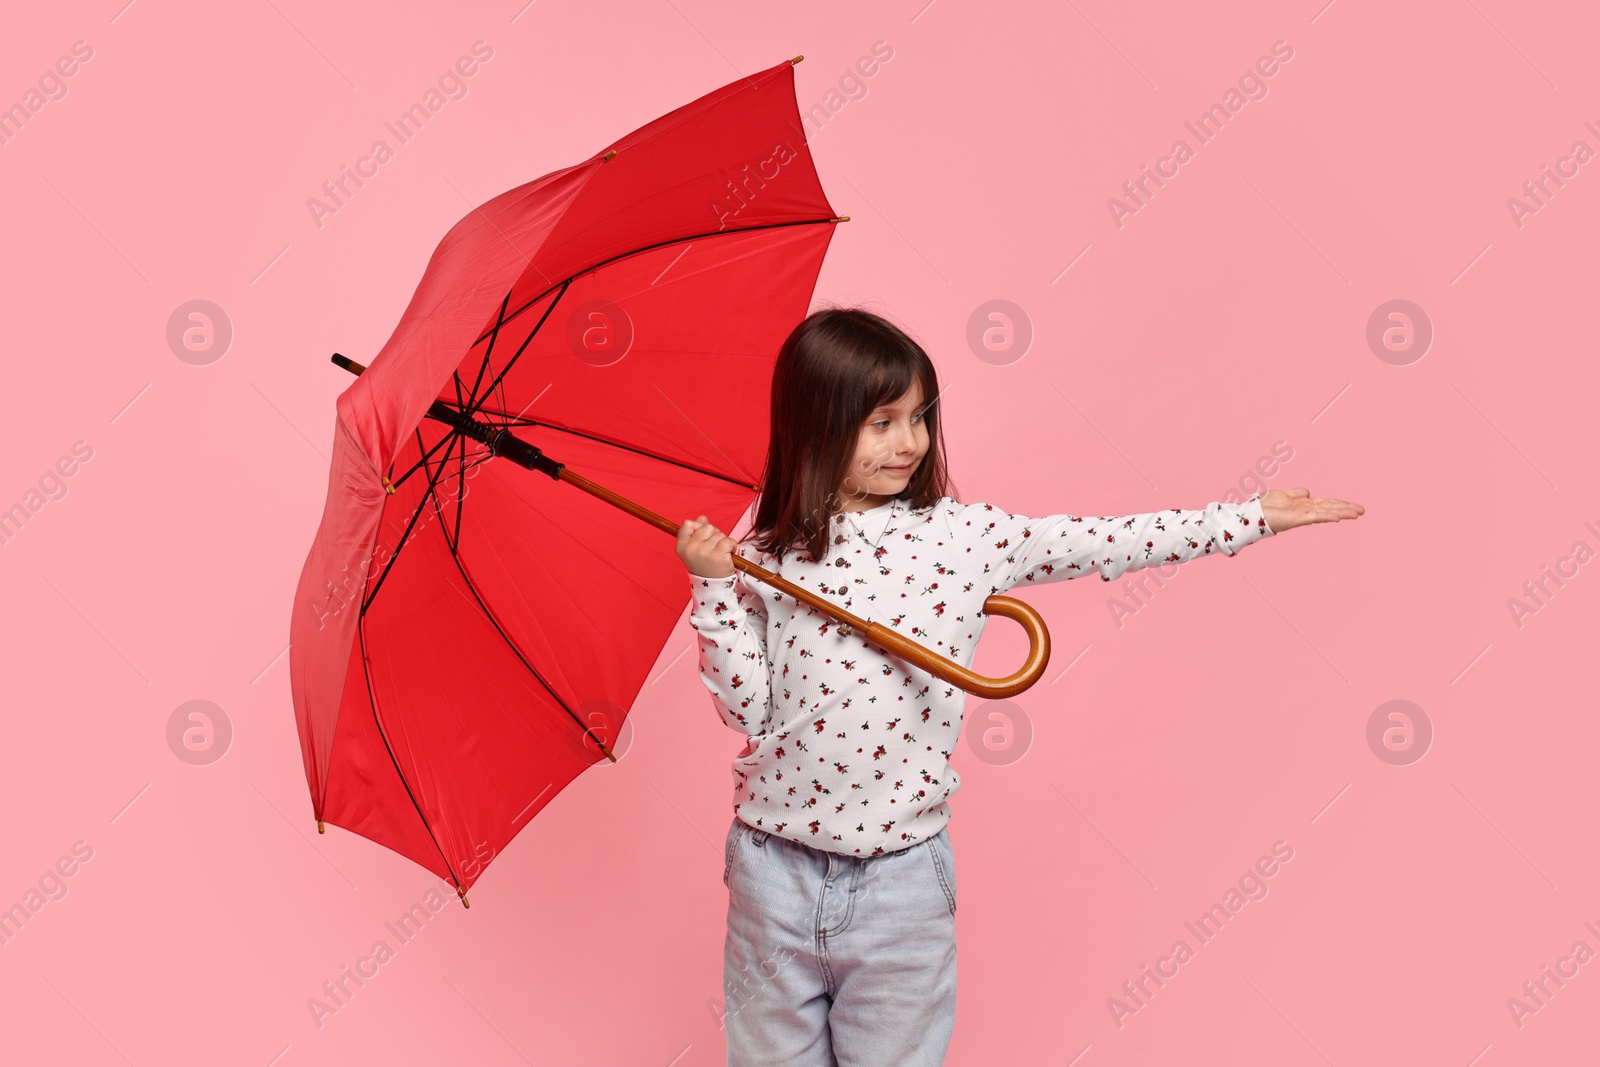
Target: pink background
column 1167, row 754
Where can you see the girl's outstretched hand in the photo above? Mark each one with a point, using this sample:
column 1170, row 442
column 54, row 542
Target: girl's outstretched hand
column 1284, row 509
column 708, row 552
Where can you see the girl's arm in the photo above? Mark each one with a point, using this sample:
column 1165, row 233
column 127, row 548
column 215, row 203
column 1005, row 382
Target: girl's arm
column 731, row 625
column 1017, row 549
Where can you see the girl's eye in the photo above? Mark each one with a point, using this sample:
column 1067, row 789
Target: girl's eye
column 884, row 422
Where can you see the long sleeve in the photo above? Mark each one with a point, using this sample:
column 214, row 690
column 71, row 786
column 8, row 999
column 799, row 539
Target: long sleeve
column 1017, row 549
column 731, row 625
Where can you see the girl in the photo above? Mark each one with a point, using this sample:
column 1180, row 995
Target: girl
column 841, row 879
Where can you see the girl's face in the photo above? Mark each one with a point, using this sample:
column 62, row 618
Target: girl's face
column 892, row 443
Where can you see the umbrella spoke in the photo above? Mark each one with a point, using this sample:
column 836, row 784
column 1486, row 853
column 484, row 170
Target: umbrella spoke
column 427, row 494
column 639, row 251
column 520, row 348
column 461, row 477
column 433, row 497
column 461, row 492
column 509, row 421
column 430, row 495
column 488, row 353
column 398, row 482
column 452, row 535
column 497, row 385
column 512, row 645
column 372, row 700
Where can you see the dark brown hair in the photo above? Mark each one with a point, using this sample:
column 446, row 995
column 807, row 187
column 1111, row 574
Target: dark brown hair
column 833, row 370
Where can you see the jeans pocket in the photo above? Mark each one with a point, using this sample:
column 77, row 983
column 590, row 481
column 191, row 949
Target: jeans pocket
column 944, row 866
column 732, row 843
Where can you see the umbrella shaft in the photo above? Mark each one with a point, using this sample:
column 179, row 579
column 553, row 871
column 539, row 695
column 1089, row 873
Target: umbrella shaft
column 501, row 441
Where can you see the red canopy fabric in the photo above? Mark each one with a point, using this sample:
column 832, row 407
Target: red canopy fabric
column 450, row 640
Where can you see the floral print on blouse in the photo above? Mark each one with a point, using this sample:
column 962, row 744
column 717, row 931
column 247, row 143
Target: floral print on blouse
column 849, row 745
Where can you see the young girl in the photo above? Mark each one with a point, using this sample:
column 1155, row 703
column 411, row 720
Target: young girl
column 841, row 879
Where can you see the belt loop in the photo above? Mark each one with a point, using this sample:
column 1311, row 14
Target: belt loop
column 758, row 837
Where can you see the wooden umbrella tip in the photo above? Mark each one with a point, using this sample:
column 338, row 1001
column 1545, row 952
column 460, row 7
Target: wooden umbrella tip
column 320, row 828
column 795, row 60
column 609, row 155
column 348, row 364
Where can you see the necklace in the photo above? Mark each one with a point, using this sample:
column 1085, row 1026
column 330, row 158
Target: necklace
column 840, row 538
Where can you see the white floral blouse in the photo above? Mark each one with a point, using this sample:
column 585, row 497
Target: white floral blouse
column 849, row 745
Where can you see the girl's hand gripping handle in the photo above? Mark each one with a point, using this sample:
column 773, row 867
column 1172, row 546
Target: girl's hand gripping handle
column 705, row 550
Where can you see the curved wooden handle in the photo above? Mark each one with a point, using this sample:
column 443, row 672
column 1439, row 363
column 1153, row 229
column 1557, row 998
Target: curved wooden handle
column 1038, row 650
column 885, row 637
column 935, row 663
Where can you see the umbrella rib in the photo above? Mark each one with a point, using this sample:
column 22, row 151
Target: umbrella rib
column 488, row 354
column 461, row 475
column 637, row 251
column 501, row 318
column 372, row 702
column 470, row 411
column 426, row 455
column 592, row 267
column 518, row 420
column 433, row 483
column 520, row 348
column 432, row 496
column 444, row 524
column 512, row 645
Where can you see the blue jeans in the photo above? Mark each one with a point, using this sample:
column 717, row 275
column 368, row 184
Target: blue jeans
column 837, row 960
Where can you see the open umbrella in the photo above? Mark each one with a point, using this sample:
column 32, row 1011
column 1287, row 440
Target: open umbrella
column 466, row 639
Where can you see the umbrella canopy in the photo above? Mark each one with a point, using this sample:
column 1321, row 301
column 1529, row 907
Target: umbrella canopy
column 468, row 636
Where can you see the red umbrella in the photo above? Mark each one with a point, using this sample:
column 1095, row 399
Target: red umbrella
column 466, row 639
